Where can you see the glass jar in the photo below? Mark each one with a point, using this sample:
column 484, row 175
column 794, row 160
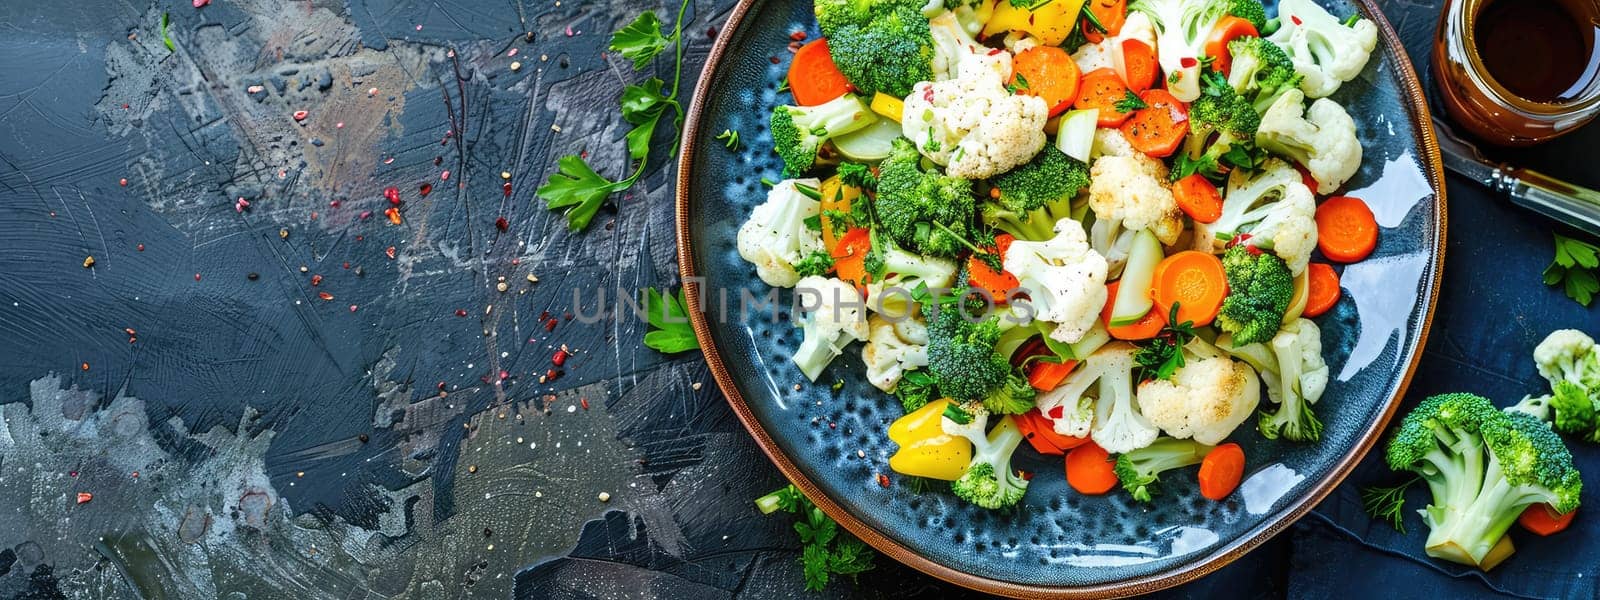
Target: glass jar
column 1482, row 105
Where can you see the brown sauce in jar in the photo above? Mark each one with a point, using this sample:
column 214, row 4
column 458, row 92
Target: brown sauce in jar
column 1538, row 49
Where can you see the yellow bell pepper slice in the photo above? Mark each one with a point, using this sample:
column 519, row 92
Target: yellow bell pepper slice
column 925, row 449
column 888, row 106
column 836, row 196
column 1051, row 23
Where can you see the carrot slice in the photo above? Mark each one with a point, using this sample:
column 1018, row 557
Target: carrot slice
column 1541, row 519
column 1090, row 470
column 1221, row 471
column 850, row 256
column 1110, row 13
column 1145, row 328
column 813, row 78
column 1346, row 230
column 1046, row 426
column 1159, row 127
column 1102, row 89
column 1324, row 284
column 1195, row 282
column 1045, row 376
column 1139, row 68
column 1049, row 73
column 1226, row 29
column 996, row 284
column 1198, row 198
column 1028, row 424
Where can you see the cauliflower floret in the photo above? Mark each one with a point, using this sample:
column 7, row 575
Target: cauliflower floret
column 1065, row 280
column 1205, row 399
column 952, row 44
column 1131, row 191
column 835, row 315
column 1104, row 54
column 1323, row 138
column 776, row 236
column 971, row 125
column 1068, row 416
column 1569, row 355
column 888, row 355
column 1274, row 207
column 1118, row 425
column 1325, row 51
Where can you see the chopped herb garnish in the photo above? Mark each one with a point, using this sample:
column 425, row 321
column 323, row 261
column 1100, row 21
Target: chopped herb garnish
column 768, row 182
column 816, row 263
column 1350, row 21
column 1388, row 503
column 1018, row 84
column 1162, row 356
column 858, row 175
column 808, row 191
column 729, row 138
column 167, row 39
column 1130, row 102
column 814, row 222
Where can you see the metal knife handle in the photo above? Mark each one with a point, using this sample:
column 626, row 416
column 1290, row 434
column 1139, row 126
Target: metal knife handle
column 1574, row 205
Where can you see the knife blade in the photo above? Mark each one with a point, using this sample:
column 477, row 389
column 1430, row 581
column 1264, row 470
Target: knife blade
column 1573, row 205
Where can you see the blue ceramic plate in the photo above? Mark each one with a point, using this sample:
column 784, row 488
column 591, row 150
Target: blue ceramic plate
column 832, row 443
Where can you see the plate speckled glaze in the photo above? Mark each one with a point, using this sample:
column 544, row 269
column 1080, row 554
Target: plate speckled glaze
column 832, row 443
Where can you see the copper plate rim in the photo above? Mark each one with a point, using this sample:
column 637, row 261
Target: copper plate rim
column 1139, row 585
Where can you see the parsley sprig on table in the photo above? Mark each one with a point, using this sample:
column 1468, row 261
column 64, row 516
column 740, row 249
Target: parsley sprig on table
column 576, row 189
column 1575, row 269
column 670, row 331
column 826, row 551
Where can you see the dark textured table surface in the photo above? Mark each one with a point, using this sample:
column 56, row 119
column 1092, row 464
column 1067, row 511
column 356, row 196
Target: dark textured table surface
column 299, row 399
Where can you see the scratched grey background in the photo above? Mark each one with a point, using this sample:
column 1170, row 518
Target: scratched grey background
column 256, row 440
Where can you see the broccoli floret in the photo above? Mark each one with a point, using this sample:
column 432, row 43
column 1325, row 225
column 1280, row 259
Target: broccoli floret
column 799, row 131
column 879, row 46
column 1140, row 469
column 911, row 201
column 1034, row 196
column 1249, row 10
column 915, row 390
column 1259, row 290
column 816, row 263
column 1219, row 121
column 1536, row 406
column 968, row 362
column 1261, row 71
column 989, row 481
column 1573, row 411
column 1482, row 467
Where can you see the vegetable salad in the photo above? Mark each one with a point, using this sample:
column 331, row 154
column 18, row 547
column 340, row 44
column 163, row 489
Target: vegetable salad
column 1095, row 228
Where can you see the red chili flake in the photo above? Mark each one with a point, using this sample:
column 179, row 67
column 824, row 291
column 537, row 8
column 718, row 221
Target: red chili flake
column 550, row 325
column 832, row 425
column 393, row 214
column 1026, row 476
column 352, row 308
column 1254, row 251
column 85, row 497
column 200, row 3
column 794, row 46
column 1057, row 412
column 798, row 36
column 334, row 204
column 393, row 194
column 774, row 59
column 505, row 375
column 197, row 277
column 316, row 280
column 123, row 182
column 501, row 224
column 461, row 312
column 301, row 115
column 552, row 374
column 1188, row 62
column 1238, row 239
column 140, row 247
column 544, row 316
column 883, row 480
column 711, row 32
column 506, row 187
column 390, row 252
column 72, row 474
column 130, row 331
column 241, row 204
column 584, row 402
column 366, row 214
column 135, row 474
column 560, row 357
column 995, row 51
column 1295, row 19
column 324, row 296
column 347, row 265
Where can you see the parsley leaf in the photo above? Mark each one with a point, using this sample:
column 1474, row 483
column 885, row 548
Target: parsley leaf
column 1018, row 84
column 729, row 138
column 1576, row 267
column 1387, row 503
column 1129, row 103
column 1162, row 356
column 165, row 38
column 641, row 41
column 858, row 175
column 826, row 551
column 577, row 190
column 670, row 331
